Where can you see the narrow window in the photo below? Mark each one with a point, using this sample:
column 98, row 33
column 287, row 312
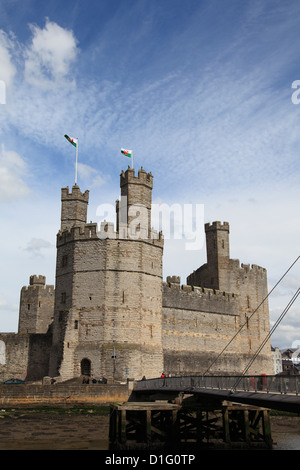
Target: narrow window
column 28, row 306
column 76, row 324
column 63, row 297
column 64, row 261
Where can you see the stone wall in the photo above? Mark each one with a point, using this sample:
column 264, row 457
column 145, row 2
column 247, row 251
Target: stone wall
column 14, row 357
column 199, row 323
column 24, row 356
column 62, row 394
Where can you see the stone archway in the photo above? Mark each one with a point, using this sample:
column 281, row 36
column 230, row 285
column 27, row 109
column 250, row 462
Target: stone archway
column 86, row 367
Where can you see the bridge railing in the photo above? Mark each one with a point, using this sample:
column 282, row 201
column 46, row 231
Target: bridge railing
column 258, row 383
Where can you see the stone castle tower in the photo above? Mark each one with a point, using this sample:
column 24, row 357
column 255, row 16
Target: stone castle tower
column 111, row 315
column 108, row 299
column 36, row 306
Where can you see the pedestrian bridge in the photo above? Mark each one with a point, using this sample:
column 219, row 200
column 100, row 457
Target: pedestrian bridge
column 274, row 392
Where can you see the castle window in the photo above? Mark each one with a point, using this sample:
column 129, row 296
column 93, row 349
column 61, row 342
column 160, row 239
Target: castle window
column 63, row 297
column 222, row 243
column 28, row 306
column 76, row 324
column 64, row 261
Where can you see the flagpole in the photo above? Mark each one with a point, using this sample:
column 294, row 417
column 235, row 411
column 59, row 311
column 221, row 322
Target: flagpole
column 131, row 159
column 76, row 162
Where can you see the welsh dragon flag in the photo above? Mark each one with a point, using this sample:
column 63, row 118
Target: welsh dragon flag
column 127, row 153
column 73, row 141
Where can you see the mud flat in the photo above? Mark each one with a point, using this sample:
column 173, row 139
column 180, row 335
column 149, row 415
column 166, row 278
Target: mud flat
column 88, row 429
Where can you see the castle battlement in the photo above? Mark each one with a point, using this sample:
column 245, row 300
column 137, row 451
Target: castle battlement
column 40, row 280
column 217, row 225
column 85, row 232
column 197, row 291
column 47, row 289
column 38, row 283
column 90, row 231
column 75, row 194
column 246, row 268
column 143, row 177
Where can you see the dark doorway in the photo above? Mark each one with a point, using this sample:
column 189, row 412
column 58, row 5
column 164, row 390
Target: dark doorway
column 86, row 367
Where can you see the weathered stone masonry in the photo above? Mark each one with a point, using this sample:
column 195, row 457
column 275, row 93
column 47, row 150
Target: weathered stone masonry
column 111, row 315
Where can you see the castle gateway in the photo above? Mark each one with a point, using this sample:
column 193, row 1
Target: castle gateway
column 112, row 316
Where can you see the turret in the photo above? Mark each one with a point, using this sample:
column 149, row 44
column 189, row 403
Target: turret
column 36, row 306
column 73, row 208
column 214, row 274
column 134, row 209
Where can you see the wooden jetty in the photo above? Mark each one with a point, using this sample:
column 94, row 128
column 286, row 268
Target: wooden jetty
column 159, row 425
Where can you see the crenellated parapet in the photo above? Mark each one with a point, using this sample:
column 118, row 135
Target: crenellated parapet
column 84, row 232
column 74, row 195
column 143, row 178
column 38, row 282
column 90, row 232
column 217, row 225
column 202, row 299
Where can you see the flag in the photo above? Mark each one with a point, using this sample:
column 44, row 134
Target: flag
column 127, row 153
column 73, row 141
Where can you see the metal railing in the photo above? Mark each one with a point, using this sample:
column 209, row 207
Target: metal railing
column 259, row 383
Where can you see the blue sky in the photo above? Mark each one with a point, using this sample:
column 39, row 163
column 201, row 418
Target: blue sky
column 201, row 91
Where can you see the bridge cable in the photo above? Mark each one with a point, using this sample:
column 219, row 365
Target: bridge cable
column 240, row 329
column 267, row 338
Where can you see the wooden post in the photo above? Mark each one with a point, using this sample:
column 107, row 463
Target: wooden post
column 226, row 425
column 246, row 426
column 199, row 426
column 123, row 426
column 267, row 429
column 148, row 426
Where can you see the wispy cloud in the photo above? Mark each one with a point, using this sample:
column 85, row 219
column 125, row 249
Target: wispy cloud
column 90, row 176
column 36, row 246
column 13, row 173
column 49, row 57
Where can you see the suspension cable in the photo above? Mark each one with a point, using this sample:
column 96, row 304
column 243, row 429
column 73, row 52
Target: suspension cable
column 267, row 338
column 240, row 329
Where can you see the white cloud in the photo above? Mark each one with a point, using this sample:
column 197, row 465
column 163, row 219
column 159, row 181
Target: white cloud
column 50, row 55
column 90, row 176
column 13, row 168
column 36, row 245
column 7, row 68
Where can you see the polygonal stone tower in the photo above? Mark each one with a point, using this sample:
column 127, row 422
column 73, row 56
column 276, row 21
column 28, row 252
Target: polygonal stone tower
column 108, row 299
column 36, row 306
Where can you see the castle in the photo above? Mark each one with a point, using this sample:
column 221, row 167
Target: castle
column 111, row 315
